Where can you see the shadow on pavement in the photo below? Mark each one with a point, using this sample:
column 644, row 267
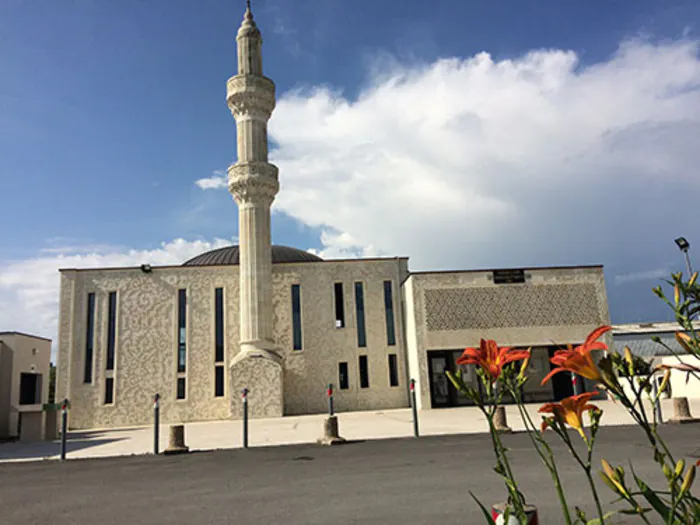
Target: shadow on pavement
column 48, row 449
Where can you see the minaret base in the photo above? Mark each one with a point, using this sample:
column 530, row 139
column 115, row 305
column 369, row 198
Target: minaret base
column 259, row 369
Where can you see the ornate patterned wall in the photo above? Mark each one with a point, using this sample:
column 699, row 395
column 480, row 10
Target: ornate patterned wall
column 146, row 340
column 511, row 305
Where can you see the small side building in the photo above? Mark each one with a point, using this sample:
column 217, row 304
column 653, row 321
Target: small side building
column 656, row 344
column 25, row 362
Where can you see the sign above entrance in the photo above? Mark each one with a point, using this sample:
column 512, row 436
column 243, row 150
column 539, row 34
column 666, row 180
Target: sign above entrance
column 508, row 276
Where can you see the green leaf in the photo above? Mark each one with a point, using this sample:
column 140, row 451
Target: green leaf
column 597, row 521
column 659, row 506
column 487, row 515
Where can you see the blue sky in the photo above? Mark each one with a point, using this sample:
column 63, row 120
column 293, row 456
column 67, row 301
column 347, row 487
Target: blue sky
column 460, row 133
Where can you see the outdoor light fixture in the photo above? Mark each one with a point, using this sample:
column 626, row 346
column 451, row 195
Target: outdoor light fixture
column 682, row 244
column 146, row 268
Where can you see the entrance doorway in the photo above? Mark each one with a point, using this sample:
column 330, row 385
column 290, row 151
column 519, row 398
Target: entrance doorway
column 442, row 391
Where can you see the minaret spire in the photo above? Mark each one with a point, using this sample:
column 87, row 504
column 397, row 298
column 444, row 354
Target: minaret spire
column 253, row 182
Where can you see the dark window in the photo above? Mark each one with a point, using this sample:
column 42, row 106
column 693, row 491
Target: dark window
column 219, row 324
column 219, row 381
column 343, row 376
column 339, row 306
column 389, row 313
column 181, row 388
column 360, row 314
column 89, row 337
column 393, row 371
column 29, row 389
column 181, row 331
column 111, row 329
column 296, row 316
column 364, row 373
column 109, row 391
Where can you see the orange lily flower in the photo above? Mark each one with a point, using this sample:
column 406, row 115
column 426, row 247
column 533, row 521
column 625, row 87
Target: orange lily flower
column 491, row 357
column 579, row 360
column 570, row 410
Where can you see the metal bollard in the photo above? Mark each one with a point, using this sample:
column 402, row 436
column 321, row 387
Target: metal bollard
column 245, row 418
column 329, row 391
column 575, row 384
column 156, row 422
column 657, row 406
column 414, row 407
column 64, row 427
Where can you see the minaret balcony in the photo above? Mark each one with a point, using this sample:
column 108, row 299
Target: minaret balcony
column 246, row 93
column 253, row 182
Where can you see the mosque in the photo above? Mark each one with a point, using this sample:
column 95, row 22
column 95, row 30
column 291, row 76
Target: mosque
column 284, row 323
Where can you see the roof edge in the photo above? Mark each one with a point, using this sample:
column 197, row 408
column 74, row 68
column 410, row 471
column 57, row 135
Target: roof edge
column 27, row 335
column 525, row 268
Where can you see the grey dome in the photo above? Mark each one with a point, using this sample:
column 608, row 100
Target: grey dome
column 231, row 255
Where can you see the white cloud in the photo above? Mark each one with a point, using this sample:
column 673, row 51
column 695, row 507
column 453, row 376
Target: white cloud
column 29, row 288
column 475, row 162
column 343, row 246
column 649, row 275
column 216, row 181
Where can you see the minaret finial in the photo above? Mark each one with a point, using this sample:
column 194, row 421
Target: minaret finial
column 247, row 5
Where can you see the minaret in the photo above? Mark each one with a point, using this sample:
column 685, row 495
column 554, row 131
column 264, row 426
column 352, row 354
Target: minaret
column 253, row 183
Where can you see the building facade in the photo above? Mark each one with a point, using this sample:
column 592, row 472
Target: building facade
column 24, row 383
column 284, row 323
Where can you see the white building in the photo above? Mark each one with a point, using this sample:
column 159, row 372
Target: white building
column 284, row 323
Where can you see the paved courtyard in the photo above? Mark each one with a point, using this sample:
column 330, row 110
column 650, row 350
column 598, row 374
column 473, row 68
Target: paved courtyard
column 291, row 430
column 391, row 481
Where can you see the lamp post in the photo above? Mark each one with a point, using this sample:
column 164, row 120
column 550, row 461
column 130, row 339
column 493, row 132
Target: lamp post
column 684, row 245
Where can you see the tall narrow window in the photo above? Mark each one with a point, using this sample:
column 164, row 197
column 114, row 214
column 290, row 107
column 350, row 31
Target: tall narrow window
column 364, row 373
column 181, row 331
column 109, row 390
column 343, row 376
column 339, row 306
column 181, row 388
column 360, row 314
column 111, row 329
column 89, row 338
column 389, row 314
column 296, row 316
column 219, row 325
column 219, row 380
column 393, row 371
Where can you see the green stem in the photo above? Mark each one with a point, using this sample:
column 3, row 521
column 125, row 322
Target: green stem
column 598, row 506
column 549, row 463
column 586, row 466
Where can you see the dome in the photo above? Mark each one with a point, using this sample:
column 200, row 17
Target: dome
column 230, row 255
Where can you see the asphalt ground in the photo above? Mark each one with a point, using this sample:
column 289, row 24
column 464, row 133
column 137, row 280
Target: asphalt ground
column 393, row 481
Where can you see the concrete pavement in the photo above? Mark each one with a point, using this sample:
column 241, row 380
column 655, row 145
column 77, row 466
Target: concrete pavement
column 292, row 430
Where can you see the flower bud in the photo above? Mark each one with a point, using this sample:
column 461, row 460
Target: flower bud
column 688, row 480
column 684, row 340
column 680, row 467
column 692, row 279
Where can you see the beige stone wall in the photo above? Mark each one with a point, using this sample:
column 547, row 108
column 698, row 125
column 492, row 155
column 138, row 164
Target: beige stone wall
column 6, row 355
column 454, row 310
column 146, row 340
column 30, row 355
column 324, row 346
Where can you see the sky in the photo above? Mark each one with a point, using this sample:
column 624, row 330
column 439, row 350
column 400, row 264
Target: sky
column 463, row 134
